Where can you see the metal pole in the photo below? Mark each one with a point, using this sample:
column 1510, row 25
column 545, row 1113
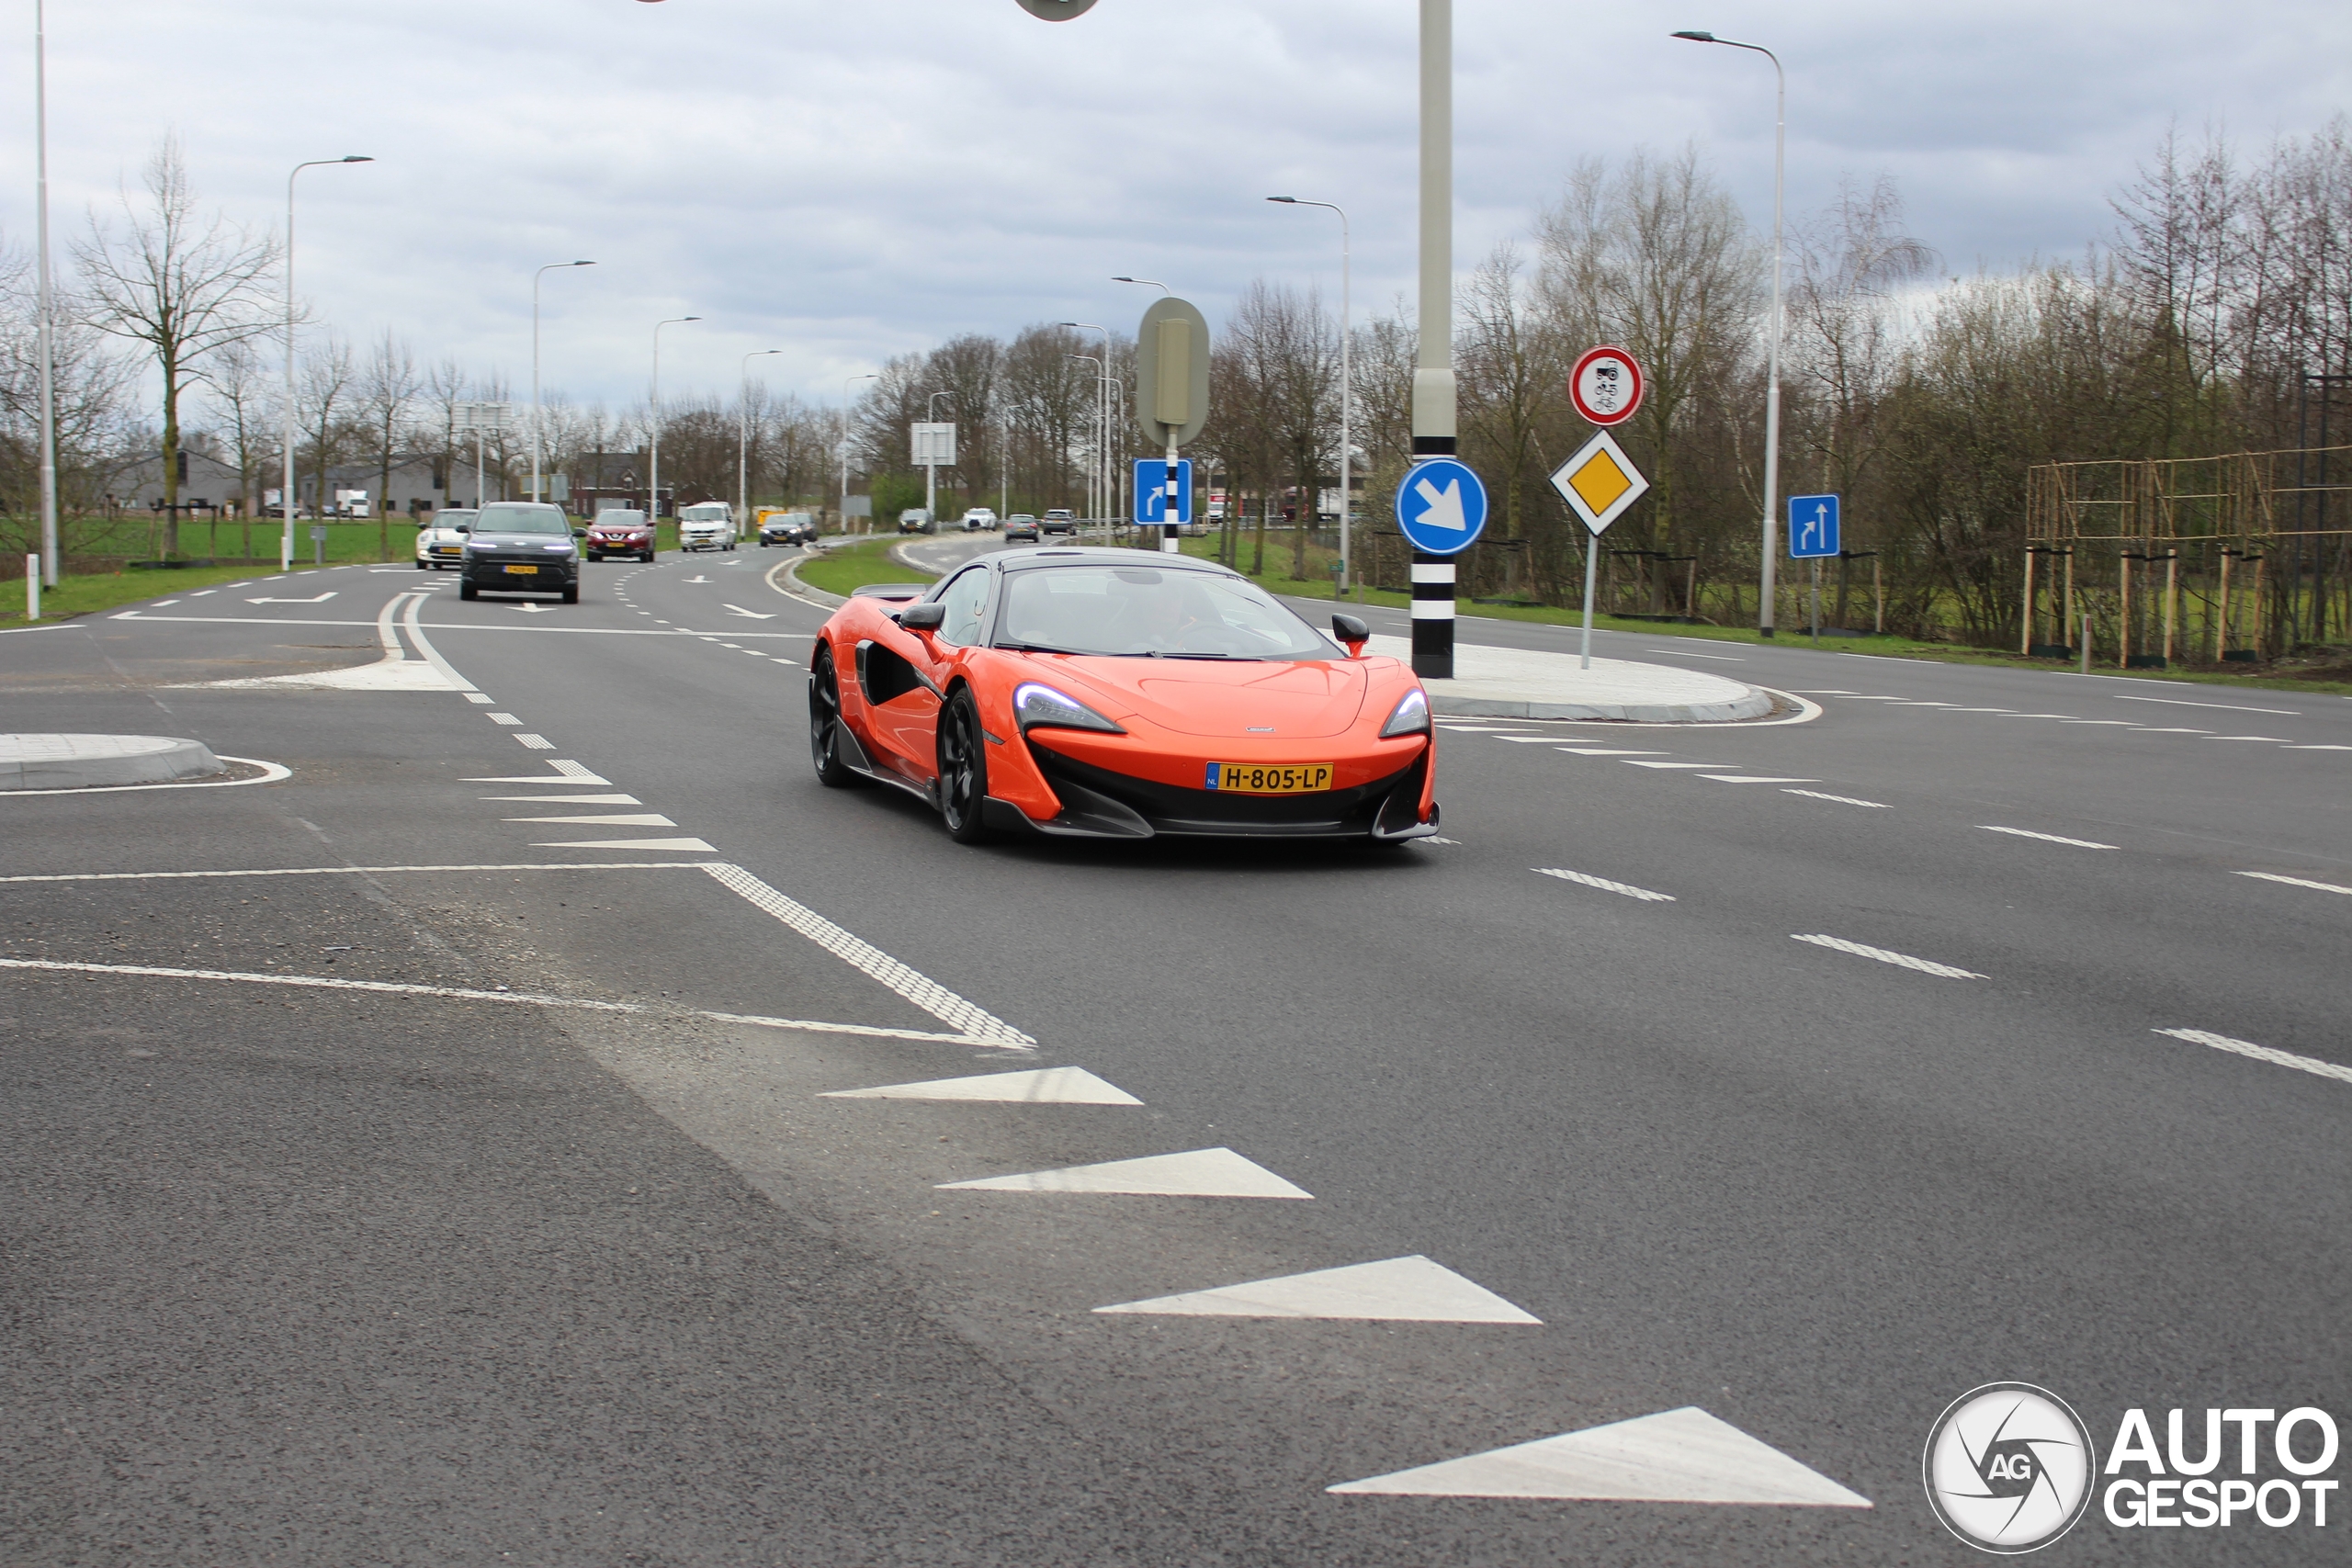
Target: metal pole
column 846, row 380
column 534, row 366
column 743, row 440
column 653, row 427
column 285, row 496
column 1591, row 564
column 1433, row 388
column 50, row 561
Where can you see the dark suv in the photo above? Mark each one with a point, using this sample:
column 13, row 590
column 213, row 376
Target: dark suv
column 521, row 547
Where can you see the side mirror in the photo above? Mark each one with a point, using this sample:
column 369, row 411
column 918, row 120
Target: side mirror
column 1353, row 631
column 580, row 533
column 465, row 528
column 923, row 617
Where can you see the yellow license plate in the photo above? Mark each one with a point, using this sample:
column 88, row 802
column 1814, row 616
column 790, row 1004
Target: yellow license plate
column 522, row 571
column 1251, row 778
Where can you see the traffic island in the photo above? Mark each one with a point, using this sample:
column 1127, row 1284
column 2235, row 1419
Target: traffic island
column 1512, row 682
column 94, row 761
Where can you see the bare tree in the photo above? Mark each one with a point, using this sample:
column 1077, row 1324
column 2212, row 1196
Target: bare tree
column 1512, row 369
column 183, row 286
column 388, row 389
column 244, row 397
column 322, row 412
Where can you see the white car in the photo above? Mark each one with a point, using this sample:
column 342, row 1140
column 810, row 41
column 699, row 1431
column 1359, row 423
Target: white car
column 707, row 525
column 979, row 520
column 439, row 546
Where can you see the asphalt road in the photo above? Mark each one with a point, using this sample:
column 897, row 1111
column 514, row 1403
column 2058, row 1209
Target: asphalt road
column 1868, row 1108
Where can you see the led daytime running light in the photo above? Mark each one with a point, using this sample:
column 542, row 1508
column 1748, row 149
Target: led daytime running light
column 1035, row 704
column 1411, row 717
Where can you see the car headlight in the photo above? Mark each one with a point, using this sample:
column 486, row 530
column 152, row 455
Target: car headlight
column 1040, row 706
column 1411, row 717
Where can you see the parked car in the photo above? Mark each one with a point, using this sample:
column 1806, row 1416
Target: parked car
column 917, row 520
column 979, row 520
column 1021, row 525
column 1059, row 520
column 440, row 542
column 619, row 532
column 521, row 547
column 707, row 525
column 787, row 528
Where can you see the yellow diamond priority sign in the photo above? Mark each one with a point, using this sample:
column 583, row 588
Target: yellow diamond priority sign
column 1599, row 482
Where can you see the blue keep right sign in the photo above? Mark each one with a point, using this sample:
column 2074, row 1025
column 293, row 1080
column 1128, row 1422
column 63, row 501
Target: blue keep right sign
column 1441, row 506
column 1812, row 525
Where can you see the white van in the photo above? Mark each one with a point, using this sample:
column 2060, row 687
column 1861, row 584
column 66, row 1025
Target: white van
column 707, row 525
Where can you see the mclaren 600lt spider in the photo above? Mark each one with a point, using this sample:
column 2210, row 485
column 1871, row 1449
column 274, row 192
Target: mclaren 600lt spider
column 1109, row 693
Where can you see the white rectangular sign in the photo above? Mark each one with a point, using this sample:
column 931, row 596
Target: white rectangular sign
column 934, row 445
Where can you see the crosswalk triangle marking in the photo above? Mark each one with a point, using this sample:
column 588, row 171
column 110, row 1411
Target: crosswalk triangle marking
column 691, row 846
column 1199, row 1173
column 1676, row 1456
column 1044, row 1086
column 1400, row 1290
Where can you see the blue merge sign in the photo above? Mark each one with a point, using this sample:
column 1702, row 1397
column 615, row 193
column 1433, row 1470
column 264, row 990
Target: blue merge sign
column 1151, row 491
column 1441, row 506
column 1812, row 525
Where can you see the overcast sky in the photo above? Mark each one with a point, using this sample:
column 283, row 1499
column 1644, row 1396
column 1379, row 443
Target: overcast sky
column 848, row 181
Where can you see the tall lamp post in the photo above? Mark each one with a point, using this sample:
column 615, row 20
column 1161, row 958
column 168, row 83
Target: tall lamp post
column 1766, row 588
column 653, row 483
column 743, row 440
column 1108, row 481
column 49, row 547
column 535, row 365
column 874, row 376
column 1101, row 397
column 1346, row 393
column 285, row 496
column 1149, row 282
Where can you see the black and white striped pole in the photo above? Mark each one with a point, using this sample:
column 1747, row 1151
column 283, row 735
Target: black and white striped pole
column 1172, row 399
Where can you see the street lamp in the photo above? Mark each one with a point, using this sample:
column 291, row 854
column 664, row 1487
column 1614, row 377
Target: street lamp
column 49, row 547
column 1152, row 282
column 875, row 375
column 285, row 496
column 534, row 366
column 1106, row 481
column 931, row 470
column 743, row 439
column 1766, row 589
column 1101, row 384
column 653, row 425
column 1347, row 394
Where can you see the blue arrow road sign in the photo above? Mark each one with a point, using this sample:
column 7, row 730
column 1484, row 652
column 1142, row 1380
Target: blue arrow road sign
column 1441, row 506
column 1151, row 491
column 1812, row 525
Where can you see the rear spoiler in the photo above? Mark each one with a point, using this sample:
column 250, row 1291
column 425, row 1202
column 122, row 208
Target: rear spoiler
column 897, row 593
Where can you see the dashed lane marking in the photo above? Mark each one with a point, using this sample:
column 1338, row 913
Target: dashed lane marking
column 566, row 772
column 1197, row 1173
column 1606, row 751
column 683, row 846
column 1901, row 960
column 2185, row 703
column 625, row 819
column 503, row 718
column 536, row 742
column 1627, row 888
column 574, row 799
column 2275, row 740
column 2311, row 1065
column 1397, row 1290
column 1840, row 799
column 1676, row 1456
column 2046, row 837
column 460, row 993
column 1753, row 778
column 2297, row 881
column 1637, row 763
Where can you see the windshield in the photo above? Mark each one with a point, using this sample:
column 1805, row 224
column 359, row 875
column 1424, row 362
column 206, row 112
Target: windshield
column 619, row 519
column 709, row 513
column 1148, row 612
column 522, row 518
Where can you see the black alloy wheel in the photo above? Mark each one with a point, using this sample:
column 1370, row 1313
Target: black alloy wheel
column 571, row 594
column 963, row 770
column 467, row 589
column 825, row 723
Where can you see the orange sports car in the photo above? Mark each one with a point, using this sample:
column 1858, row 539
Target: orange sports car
column 1106, row 693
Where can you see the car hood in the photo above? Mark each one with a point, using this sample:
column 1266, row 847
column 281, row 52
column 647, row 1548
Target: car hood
column 1308, row 699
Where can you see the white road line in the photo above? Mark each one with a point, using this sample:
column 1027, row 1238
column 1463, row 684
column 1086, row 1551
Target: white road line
column 1817, row 691
column 2261, row 1053
column 2320, row 748
column 1901, row 960
column 2184, row 702
column 536, row 742
column 2125, row 722
column 1627, row 888
column 1678, row 653
column 2038, row 715
column 1856, row 697
column 503, row 718
column 2295, row 881
column 573, row 799
column 613, row 820
column 934, row 998
column 2170, row 730
column 271, row 772
column 2278, row 739
column 1840, row 799
column 460, row 993
column 350, row 870
column 2045, row 838
column 483, row 698
column 1637, row 763
column 1606, row 751
column 423, row 646
column 1753, row 778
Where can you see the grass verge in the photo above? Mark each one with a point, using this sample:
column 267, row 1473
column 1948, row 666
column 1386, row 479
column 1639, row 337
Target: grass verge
column 847, row 569
column 87, row 594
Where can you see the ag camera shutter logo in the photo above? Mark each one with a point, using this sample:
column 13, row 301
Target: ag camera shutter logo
column 2009, row 1468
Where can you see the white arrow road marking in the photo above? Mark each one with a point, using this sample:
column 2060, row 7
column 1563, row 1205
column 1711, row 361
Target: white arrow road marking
column 1401, row 1290
column 1199, row 1173
column 695, row 579
column 1043, row 1086
column 2261, row 1053
column 1627, row 888
column 1676, row 1456
column 751, row 615
column 319, row 599
column 1443, row 507
column 1901, row 960
column 530, row 609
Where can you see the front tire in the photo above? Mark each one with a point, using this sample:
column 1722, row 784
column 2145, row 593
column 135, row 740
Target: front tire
column 467, row 589
column 571, row 594
column 422, row 565
column 963, row 770
column 825, row 723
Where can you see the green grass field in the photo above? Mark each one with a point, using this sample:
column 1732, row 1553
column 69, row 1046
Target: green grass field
column 850, row 567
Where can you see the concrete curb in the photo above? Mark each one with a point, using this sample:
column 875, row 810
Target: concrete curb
column 791, row 585
column 1753, row 704
column 93, row 761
